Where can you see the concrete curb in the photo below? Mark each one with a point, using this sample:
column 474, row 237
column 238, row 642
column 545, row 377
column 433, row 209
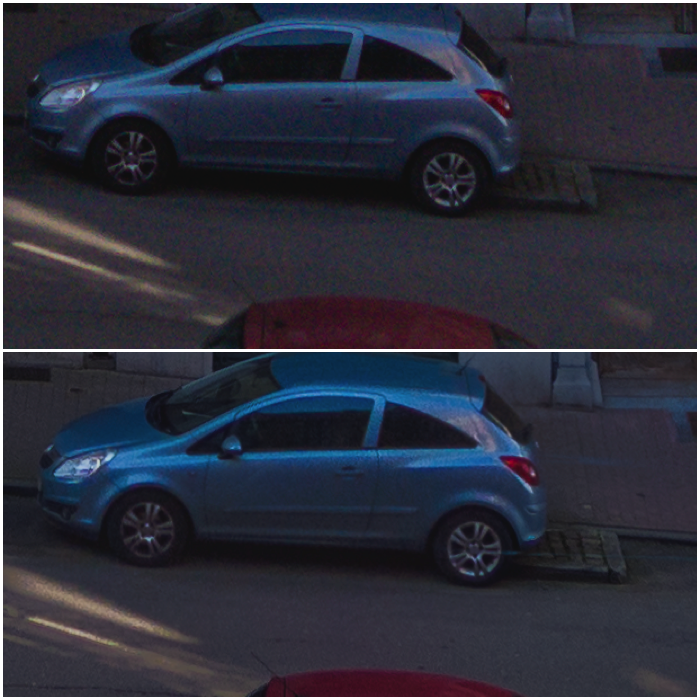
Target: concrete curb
column 550, row 184
column 581, row 551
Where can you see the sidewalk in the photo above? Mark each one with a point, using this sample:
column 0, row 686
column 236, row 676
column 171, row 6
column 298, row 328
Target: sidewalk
column 626, row 469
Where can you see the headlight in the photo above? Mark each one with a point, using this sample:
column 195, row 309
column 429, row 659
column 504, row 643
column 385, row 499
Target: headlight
column 63, row 98
column 83, row 466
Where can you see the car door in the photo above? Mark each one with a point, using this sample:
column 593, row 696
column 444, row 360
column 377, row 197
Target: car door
column 284, row 103
column 305, row 472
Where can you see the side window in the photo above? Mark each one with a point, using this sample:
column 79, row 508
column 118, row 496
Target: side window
column 315, row 423
column 194, row 75
column 382, row 61
column 303, row 55
column 406, row 428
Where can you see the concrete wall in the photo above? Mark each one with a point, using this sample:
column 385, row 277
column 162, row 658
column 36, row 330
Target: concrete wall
column 72, row 360
column 523, row 378
column 165, row 364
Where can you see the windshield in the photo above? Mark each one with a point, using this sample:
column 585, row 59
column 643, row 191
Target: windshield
column 199, row 402
column 178, row 36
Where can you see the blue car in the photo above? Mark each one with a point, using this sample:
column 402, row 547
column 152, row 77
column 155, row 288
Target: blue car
column 406, row 92
column 354, row 449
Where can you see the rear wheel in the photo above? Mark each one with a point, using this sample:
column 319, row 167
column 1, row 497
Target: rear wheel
column 471, row 547
column 448, row 178
column 131, row 157
column 148, row 528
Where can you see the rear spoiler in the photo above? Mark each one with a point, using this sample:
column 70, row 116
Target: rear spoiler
column 480, row 50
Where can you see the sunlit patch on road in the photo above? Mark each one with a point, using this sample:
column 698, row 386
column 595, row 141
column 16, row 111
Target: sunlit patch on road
column 38, row 239
column 35, row 217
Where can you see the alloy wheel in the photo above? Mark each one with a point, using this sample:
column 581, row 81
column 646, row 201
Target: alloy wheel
column 450, row 180
column 147, row 530
column 474, row 549
column 131, row 158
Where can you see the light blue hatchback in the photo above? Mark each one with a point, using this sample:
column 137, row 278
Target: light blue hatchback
column 390, row 91
column 376, row 450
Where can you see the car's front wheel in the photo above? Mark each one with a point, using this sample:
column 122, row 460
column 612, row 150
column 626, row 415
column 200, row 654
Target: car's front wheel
column 131, row 157
column 471, row 547
column 448, row 178
column 147, row 528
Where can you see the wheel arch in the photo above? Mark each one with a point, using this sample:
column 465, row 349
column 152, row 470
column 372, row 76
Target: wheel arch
column 468, row 143
column 477, row 507
column 152, row 488
column 136, row 118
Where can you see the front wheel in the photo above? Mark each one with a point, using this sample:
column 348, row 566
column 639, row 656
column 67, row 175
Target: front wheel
column 448, row 178
column 147, row 528
column 131, row 157
column 471, row 547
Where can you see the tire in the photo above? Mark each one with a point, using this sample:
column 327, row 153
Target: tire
column 471, row 547
column 147, row 528
column 448, row 178
column 131, row 157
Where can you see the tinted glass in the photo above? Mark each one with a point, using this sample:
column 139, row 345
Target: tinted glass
column 323, row 423
column 406, row 428
column 185, row 32
column 382, row 61
column 290, row 56
column 199, row 402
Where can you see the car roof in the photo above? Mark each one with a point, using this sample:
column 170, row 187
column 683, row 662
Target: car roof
column 375, row 370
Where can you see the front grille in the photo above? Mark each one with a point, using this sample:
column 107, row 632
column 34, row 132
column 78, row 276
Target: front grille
column 51, row 456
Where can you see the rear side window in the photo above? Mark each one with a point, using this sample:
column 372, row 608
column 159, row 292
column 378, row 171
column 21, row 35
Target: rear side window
column 406, row 428
column 505, row 417
column 382, row 61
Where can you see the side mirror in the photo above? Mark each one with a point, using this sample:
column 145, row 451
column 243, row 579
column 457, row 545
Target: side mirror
column 230, row 448
column 213, row 79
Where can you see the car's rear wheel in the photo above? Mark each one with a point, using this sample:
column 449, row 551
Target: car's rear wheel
column 471, row 547
column 147, row 528
column 448, row 178
column 131, row 157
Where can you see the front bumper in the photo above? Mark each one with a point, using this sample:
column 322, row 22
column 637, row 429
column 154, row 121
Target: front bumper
column 65, row 134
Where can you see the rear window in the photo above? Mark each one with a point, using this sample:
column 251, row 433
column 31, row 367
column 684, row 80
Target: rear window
column 383, row 61
column 501, row 414
column 479, row 50
column 406, row 428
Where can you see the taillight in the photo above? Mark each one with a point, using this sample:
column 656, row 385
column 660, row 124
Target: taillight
column 523, row 468
column 497, row 101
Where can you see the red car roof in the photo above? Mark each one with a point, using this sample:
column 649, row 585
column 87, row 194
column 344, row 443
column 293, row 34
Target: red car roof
column 363, row 683
column 367, row 324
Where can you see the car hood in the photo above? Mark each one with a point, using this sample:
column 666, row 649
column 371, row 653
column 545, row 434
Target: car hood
column 116, row 426
column 106, row 56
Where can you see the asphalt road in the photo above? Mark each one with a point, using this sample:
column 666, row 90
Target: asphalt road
column 79, row 623
column 85, row 268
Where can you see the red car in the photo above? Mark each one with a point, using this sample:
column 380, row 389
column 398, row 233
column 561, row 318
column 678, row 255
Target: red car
column 343, row 323
column 377, row 684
